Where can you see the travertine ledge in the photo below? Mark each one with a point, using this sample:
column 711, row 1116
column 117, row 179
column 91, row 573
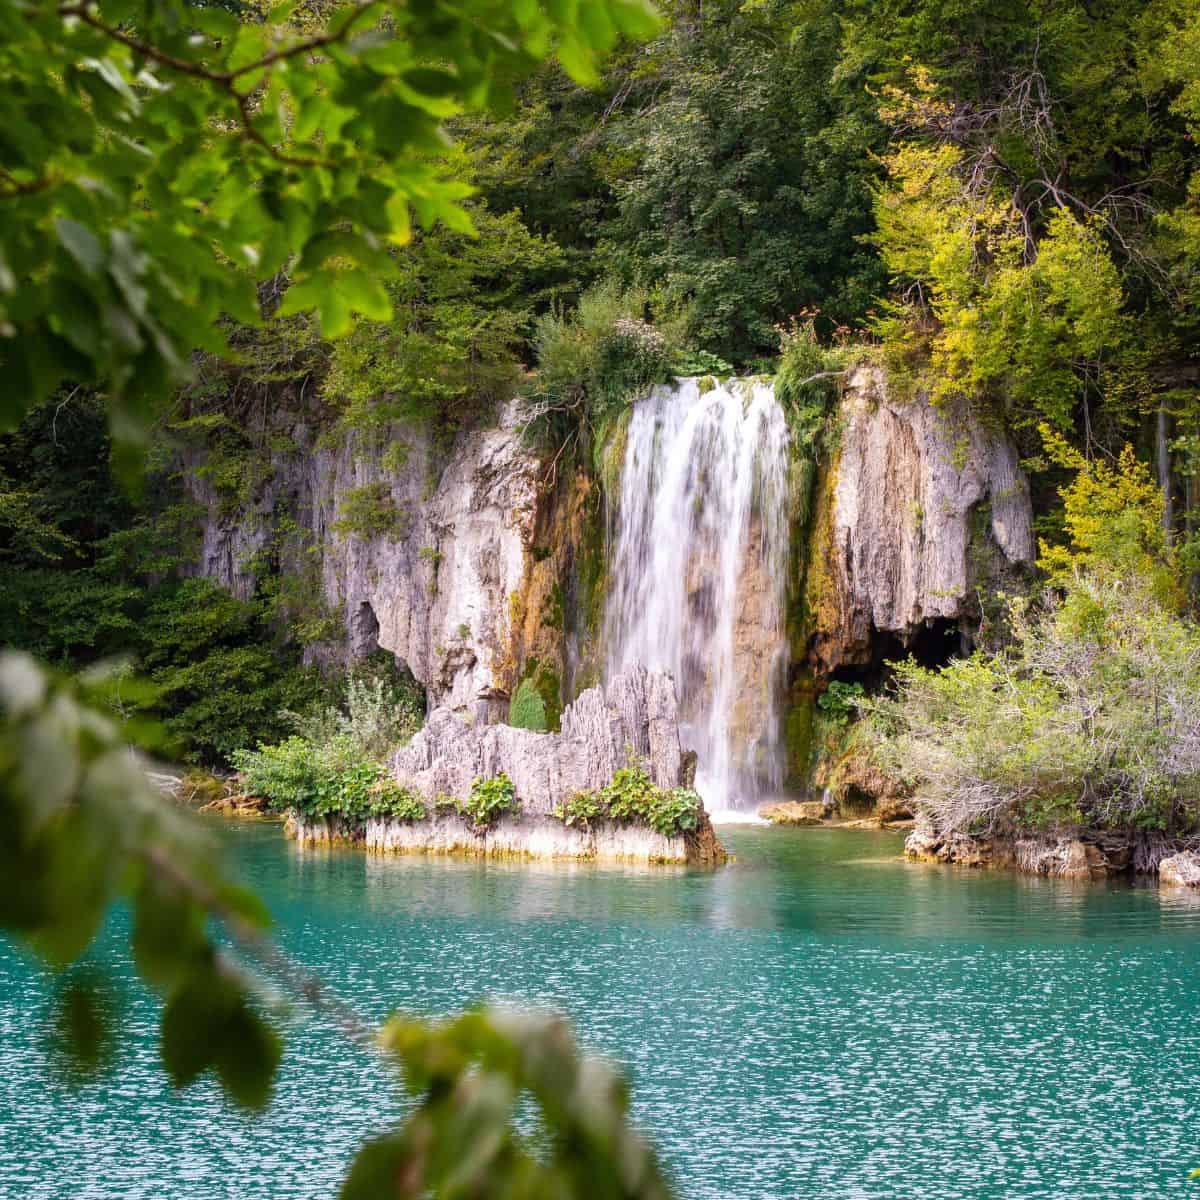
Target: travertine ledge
column 634, row 716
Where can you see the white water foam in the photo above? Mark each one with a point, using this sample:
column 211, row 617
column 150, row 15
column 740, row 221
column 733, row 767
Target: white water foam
column 699, row 574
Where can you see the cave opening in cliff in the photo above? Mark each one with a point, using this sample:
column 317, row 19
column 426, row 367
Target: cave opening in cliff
column 934, row 644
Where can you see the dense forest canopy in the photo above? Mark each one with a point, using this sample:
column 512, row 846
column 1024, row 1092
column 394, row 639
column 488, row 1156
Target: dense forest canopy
column 999, row 201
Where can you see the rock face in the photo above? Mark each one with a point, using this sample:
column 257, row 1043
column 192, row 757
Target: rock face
column 916, row 498
column 852, row 782
column 459, row 582
column 1058, row 855
column 636, row 711
column 1180, row 870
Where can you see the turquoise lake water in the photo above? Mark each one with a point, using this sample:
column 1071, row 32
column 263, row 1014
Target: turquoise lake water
column 818, row 1019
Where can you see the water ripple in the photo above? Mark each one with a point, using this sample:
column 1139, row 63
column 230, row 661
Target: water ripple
column 818, row 1020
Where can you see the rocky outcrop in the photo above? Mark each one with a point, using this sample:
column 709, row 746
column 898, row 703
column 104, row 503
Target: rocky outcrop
column 1064, row 856
column 457, row 568
column 916, row 502
column 635, row 714
column 853, row 782
column 1180, row 870
column 794, row 812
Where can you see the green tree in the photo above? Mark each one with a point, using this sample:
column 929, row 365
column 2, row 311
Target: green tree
column 742, row 175
column 160, row 158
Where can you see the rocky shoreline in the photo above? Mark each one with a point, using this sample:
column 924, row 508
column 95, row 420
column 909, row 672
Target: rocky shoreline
column 1063, row 855
column 1060, row 855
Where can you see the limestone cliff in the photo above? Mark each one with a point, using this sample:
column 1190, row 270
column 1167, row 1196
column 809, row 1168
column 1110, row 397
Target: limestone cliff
column 459, row 572
column 916, row 506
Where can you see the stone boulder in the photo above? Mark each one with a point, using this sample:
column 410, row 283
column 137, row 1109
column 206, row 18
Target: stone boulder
column 794, row 812
column 1180, row 870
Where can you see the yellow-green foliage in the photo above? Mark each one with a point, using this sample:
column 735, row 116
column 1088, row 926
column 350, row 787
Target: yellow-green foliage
column 1089, row 718
column 995, row 313
column 370, row 511
column 1113, row 515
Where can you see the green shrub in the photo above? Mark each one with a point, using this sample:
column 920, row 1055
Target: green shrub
column 593, row 362
column 370, row 511
column 675, row 810
column 805, row 381
column 382, row 708
column 630, row 795
column 326, row 779
column 580, row 809
column 391, row 799
column 287, row 775
column 315, row 780
column 488, row 799
column 839, row 701
column 632, row 798
column 1091, row 717
column 701, row 362
column 527, row 710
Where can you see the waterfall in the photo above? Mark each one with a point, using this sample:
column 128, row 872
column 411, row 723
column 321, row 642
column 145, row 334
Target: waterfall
column 698, row 577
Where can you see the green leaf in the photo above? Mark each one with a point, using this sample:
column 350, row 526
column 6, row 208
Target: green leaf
column 81, row 244
column 365, row 294
column 248, row 1057
column 377, row 1167
column 432, row 82
column 192, row 1027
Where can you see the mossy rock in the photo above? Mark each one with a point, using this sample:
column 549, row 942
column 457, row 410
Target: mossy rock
column 527, row 710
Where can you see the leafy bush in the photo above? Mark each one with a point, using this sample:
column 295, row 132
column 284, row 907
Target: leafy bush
column 390, row 799
column 287, row 775
column 700, row 362
column 580, row 809
column 631, row 797
column 1091, row 718
column 488, row 799
column 592, row 362
column 840, row 700
column 382, row 709
column 804, row 382
column 675, row 810
column 325, row 779
column 527, row 710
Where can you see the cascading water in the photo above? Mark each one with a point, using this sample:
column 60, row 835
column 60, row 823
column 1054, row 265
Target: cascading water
column 699, row 572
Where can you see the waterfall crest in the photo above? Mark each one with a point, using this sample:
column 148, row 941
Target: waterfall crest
column 699, row 572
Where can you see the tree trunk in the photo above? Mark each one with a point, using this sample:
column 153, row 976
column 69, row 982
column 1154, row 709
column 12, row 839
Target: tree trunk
column 1163, row 460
